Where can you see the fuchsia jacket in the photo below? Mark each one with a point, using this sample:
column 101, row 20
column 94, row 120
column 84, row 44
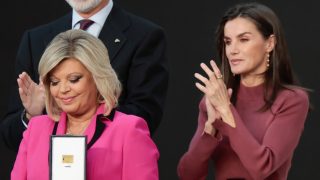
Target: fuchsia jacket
column 124, row 150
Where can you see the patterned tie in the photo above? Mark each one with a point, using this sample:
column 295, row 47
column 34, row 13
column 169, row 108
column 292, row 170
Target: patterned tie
column 85, row 24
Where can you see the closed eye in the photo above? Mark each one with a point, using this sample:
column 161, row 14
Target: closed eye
column 227, row 42
column 53, row 82
column 75, row 79
column 244, row 40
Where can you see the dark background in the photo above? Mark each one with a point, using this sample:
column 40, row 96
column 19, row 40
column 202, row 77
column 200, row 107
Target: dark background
column 189, row 26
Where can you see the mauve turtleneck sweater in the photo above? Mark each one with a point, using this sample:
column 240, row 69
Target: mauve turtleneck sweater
column 260, row 147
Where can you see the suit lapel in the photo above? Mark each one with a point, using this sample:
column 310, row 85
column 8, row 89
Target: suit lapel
column 61, row 25
column 112, row 32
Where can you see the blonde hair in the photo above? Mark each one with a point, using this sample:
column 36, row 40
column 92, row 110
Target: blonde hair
column 92, row 53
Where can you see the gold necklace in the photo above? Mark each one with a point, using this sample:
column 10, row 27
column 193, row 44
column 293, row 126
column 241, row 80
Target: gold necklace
column 82, row 129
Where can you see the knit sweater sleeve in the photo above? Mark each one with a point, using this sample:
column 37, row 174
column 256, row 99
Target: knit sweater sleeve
column 280, row 139
column 194, row 163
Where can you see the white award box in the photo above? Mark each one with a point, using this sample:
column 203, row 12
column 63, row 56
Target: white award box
column 68, row 157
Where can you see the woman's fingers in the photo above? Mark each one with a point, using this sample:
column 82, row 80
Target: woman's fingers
column 25, row 79
column 206, row 69
column 210, row 84
column 216, row 70
column 24, row 82
column 201, row 87
column 201, row 78
column 21, row 87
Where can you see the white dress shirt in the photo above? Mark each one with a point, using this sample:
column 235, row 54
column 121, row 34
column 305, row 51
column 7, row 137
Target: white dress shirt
column 99, row 18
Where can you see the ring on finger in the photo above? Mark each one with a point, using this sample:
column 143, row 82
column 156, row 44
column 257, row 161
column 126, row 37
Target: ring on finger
column 219, row 76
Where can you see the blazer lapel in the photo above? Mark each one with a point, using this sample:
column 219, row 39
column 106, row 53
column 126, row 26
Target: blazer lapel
column 60, row 25
column 112, row 32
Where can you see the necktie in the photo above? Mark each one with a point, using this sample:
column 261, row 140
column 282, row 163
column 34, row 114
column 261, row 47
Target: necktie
column 85, row 24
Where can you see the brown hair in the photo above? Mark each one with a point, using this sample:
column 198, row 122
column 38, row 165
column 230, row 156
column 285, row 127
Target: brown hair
column 279, row 74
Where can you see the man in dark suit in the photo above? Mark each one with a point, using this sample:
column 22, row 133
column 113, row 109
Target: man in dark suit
column 137, row 49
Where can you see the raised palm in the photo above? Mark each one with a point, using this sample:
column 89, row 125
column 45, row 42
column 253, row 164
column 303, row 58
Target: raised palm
column 32, row 94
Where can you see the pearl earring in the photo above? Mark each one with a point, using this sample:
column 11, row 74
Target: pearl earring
column 268, row 60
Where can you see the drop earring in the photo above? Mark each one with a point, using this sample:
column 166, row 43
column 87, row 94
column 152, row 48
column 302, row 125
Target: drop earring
column 268, row 60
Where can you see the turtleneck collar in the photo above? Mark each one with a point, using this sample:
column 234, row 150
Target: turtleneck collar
column 254, row 92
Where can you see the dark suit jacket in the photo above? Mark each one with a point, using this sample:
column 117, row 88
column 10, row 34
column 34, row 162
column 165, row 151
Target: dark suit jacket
column 139, row 60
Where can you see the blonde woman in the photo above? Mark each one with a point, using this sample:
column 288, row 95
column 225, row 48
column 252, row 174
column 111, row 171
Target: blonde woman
column 82, row 91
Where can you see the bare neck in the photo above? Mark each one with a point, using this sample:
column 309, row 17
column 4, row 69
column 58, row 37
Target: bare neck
column 253, row 80
column 78, row 119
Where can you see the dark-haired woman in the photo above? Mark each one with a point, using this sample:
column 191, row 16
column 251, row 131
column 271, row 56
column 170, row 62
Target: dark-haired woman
column 253, row 112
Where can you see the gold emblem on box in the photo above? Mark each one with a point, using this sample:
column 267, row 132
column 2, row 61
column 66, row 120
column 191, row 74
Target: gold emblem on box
column 67, row 158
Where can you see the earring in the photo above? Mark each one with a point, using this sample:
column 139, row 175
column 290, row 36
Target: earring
column 268, row 60
column 100, row 99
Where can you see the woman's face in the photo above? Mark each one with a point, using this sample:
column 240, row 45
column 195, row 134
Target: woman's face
column 246, row 48
column 73, row 87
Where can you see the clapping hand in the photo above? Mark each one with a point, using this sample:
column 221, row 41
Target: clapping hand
column 32, row 95
column 215, row 90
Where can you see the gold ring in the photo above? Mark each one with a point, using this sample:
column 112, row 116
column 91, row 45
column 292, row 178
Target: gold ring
column 219, row 76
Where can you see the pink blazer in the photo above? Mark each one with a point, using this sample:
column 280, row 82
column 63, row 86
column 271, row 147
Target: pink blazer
column 124, row 151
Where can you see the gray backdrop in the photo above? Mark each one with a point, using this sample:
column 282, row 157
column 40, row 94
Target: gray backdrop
column 190, row 29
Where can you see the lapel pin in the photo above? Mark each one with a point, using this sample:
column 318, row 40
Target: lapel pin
column 117, row 40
